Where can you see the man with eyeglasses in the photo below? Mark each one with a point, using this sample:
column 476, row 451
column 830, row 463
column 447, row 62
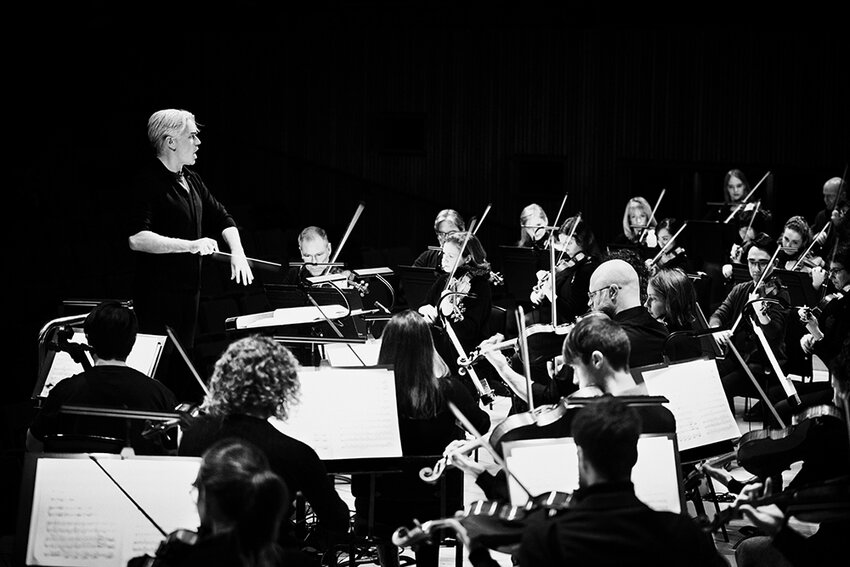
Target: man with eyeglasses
column 448, row 222
column 615, row 291
column 772, row 317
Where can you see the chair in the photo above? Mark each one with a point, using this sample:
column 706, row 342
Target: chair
column 81, row 443
column 498, row 320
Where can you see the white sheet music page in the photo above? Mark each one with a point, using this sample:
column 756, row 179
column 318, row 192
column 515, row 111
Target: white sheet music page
column 697, row 401
column 80, row 518
column 543, row 465
column 143, row 357
column 346, row 413
column 339, row 354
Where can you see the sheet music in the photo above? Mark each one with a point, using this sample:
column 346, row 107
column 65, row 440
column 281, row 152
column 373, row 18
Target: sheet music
column 143, row 357
column 543, row 465
column 346, row 413
column 290, row 316
column 339, row 354
column 80, row 518
column 697, row 401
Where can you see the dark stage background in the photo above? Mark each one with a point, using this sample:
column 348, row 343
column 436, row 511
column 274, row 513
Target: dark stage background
column 409, row 108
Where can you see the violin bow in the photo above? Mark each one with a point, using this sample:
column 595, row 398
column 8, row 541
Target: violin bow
column 652, row 216
column 552, row 274
column 664, row 248
column 759, row 283
column 360, row 206
column 752, row 217
column 747, row 198
column 561, row 210
column 834, row 206
column 130, row 498
column 481, row 385
column 481, row 221
column 787, row 385
column 571, row 234
column 523, row 348
column 496, row 458
column 460, row 253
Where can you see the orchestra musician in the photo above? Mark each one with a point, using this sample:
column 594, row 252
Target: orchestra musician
column 796, row 238
column 671, row 299
column 531, row 220
column 314, row 248
column 605, row 523
column 254, row 379
column 674, row 256
column 831, row 203
column 465, row 301
column 772, row 318
column 615, row 290
column 424, row 386
column 110, row 330
column 637, row 220
column 448, row 222
column 241, row 503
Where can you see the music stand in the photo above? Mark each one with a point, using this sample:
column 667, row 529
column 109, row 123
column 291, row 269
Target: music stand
column 708, row 241
column 282, row 296
column 799, row 286
column 519, row 269
column 416, row 282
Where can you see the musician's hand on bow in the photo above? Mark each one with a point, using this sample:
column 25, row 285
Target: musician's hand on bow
column 818, row 276
column 807, row 343
column 760, row 308
column 458, row 458
column 651, row 238
column 536, row 297
column 768, row 518
column 821, row 238
column 429, row 312
column 494, row 357
column 203, row 246
column 240, row 270
column 735, row 253
column 723, row 337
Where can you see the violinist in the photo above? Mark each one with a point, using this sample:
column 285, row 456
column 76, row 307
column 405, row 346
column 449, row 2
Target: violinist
column 110, row 330
column 255, row 379
column 314, row 248
column 465, row 300
column 532, row 219
column 448, row 222
column 834, row 199
column 606, row 524
column 772, row 319
column 673, row 256
column 572, row 275
column 637, row 220
column 424, row 386
column 241, row 504
column 671, row 299
column 796, row 238
column 783, row 545
column 598, row 351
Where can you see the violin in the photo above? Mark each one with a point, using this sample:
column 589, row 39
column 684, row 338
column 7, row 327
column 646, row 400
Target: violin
column 351, row 281
column 818, row 502
column 542, row 281
column 478, row 353
column 451, row 304
column 765, row 452
column 172, row 550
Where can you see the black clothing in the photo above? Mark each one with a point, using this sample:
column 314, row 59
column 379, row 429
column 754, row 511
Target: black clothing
column 646, row 336
column 834, row 323
column 430, row 259
column 401, row 497
column 573, row 283
column 472, row 328
column 163, row 206
column 295, row 462
column 118, row 387
column 683, row 347
column 606, row 524
column 219, row 550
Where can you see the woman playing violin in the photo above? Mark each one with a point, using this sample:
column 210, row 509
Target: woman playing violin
column 448, row 222
column 241, row 504
column 464, row 298
column 795, row 240
column 637, row 220
column 531, row 220
column 674, row 256
column 424, row 386
column 772, row 319
column 671, row 299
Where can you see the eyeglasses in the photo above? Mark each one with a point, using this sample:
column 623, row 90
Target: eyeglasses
column 759, row 263
column 445, row 234
column 590, row 294
column 833, row 271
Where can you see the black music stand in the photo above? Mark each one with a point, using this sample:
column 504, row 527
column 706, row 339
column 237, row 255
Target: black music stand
column 282, row 296
column 799, row 286
column 519, row 269
column 416, row 282
column 708, row 241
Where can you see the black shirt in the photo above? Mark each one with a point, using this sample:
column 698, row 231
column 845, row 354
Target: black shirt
column 163, row 206
column 119, row 387
column 646, row 336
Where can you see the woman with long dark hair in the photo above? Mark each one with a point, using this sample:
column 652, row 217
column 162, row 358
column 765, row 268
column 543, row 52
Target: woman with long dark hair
column 672, row 299
column 424, row 387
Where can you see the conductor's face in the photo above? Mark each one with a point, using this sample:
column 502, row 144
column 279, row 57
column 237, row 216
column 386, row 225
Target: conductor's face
column 186, row 144
column 315, row 250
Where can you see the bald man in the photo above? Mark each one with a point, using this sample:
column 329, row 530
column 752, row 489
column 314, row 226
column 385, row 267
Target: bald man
column 830, row 212
column 615, row 291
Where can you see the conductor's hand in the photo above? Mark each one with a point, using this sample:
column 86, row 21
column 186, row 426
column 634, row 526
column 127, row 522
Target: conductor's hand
column 429, row 312
column 203, row 246
column 240, row 270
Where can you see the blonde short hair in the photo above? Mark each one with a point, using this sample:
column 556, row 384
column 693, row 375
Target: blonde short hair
column 165, row 123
